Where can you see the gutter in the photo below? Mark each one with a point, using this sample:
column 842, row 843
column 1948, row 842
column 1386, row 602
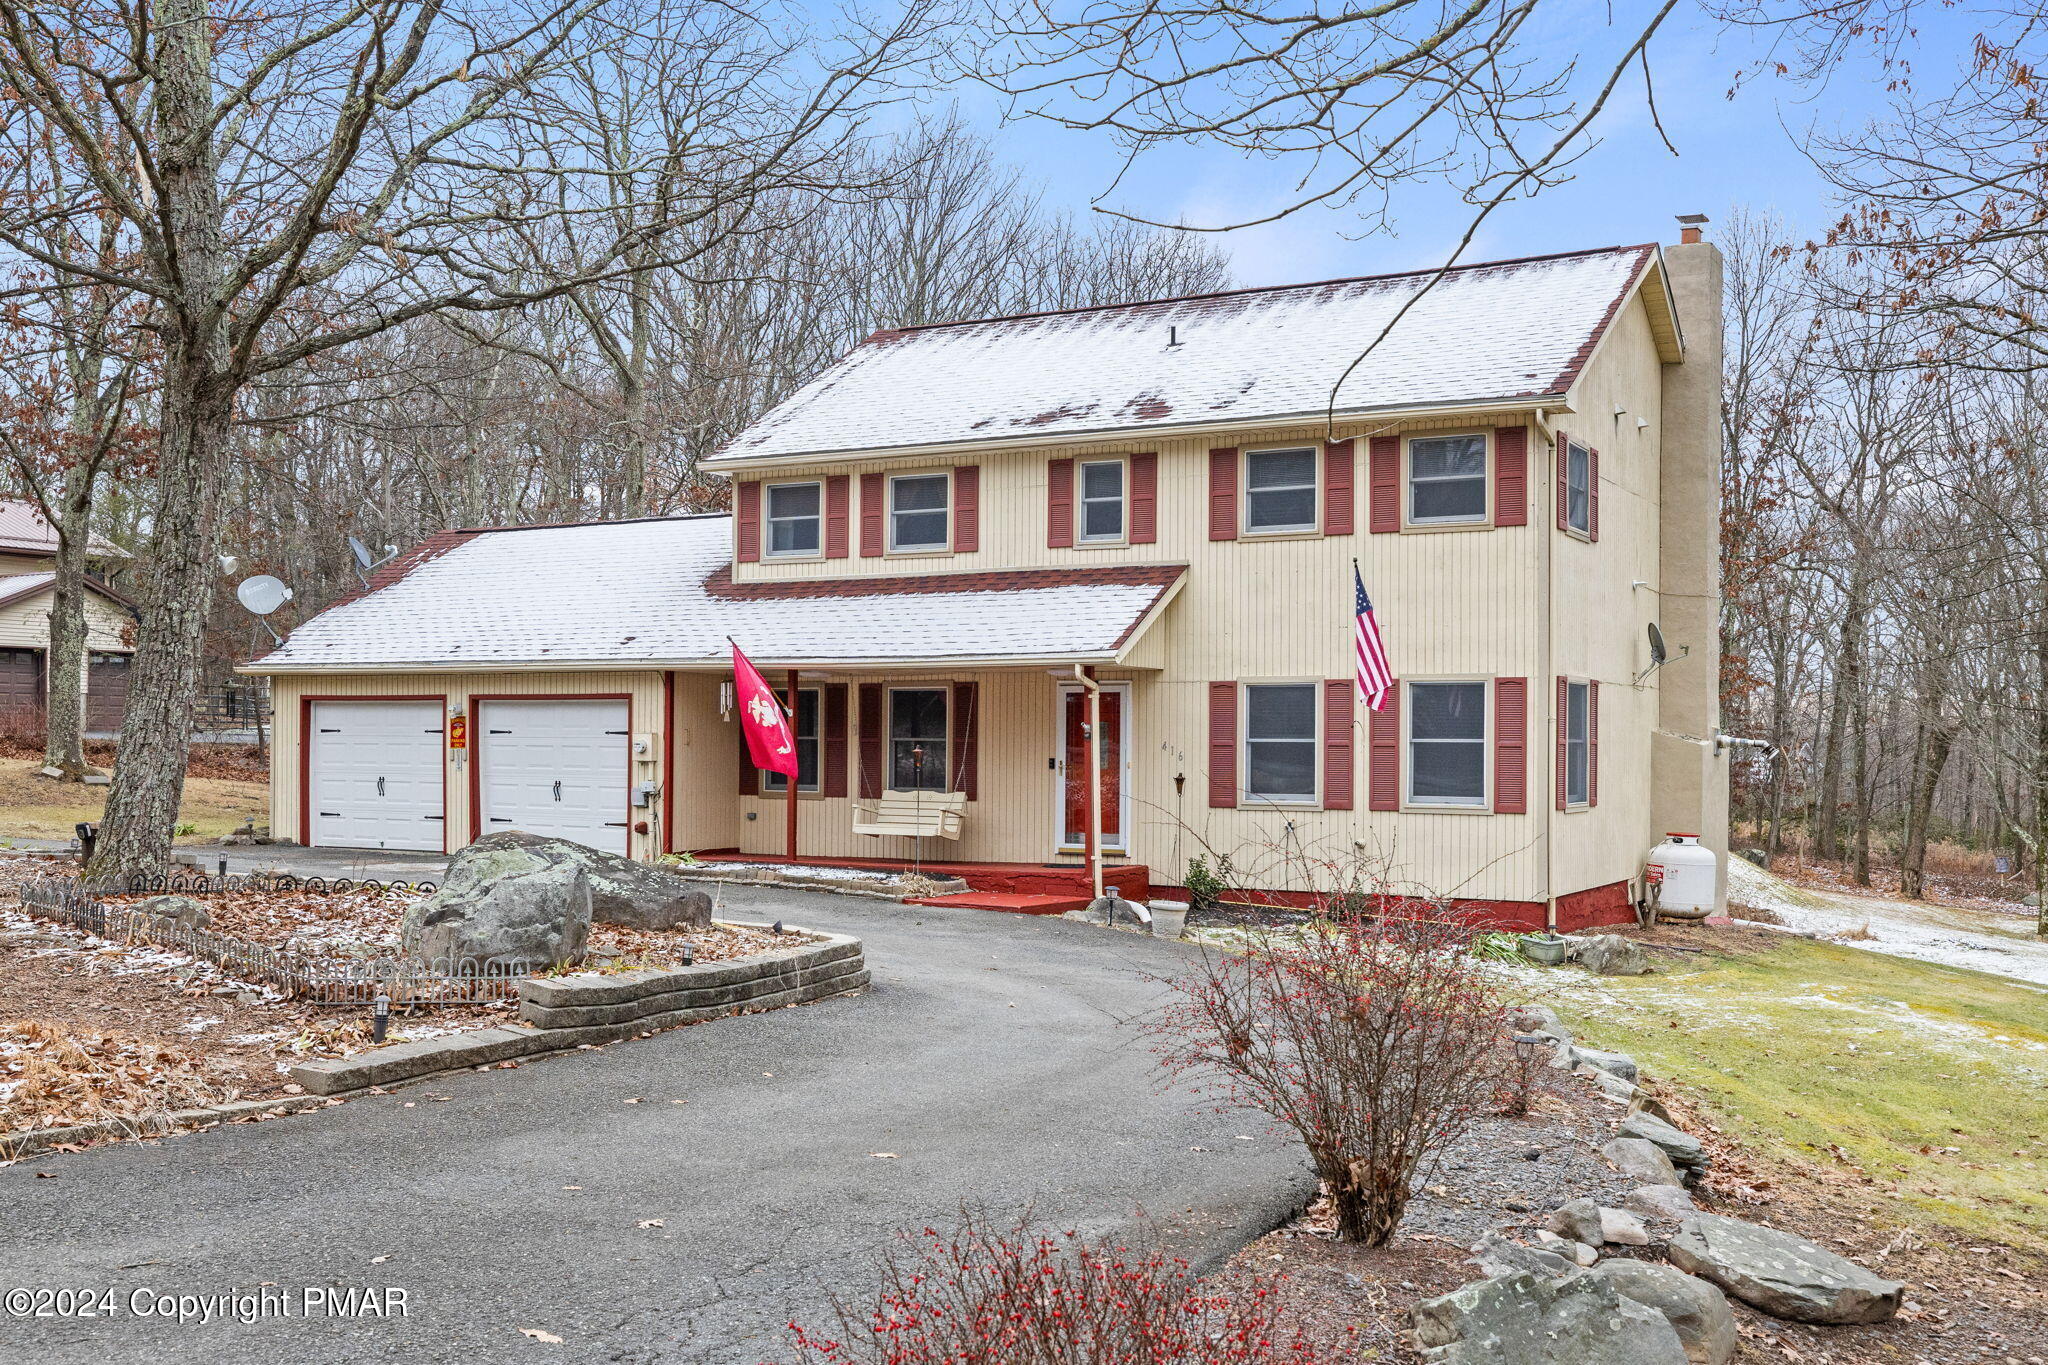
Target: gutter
column 1126, row 435
column 1110, row 658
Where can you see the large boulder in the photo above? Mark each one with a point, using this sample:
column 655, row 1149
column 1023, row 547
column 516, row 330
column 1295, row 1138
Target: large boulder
column 1610, row 955
column 1578, row 1219
column 174, row 912
column 1683, row 1148
column 1666, row 1203
column 622, row 892
column 1497, row 1256
column 1785, row 1276
column 1697, row 1311
column 503, row 907
column 1645, row 1161
column 1527, row 1319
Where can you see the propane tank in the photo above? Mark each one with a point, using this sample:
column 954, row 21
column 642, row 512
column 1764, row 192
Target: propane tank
column 1687, row 872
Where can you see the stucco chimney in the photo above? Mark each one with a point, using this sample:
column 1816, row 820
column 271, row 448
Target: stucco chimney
column 1689, row 780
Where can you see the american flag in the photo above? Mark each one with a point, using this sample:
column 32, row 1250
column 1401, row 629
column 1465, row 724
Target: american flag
column 1375, row 674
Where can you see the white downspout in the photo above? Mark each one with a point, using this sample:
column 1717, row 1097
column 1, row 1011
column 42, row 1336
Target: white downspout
column 1094, row 775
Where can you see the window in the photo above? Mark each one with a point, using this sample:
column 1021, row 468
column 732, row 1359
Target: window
column 1280, row 490
column 1280, row 742
column 1447, row 743
column 917, row 512
column 917, row 739
column 1577, row 788
column 1446, row 480
column 1102, row 500
column 1578, row 488
column 793, row 518
column 806, row 747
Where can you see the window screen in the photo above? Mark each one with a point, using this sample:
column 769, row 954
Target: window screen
column 1280, row 741
column 1280, row 490
column 1446, row 479
column 917, row 739
column 1447, row 743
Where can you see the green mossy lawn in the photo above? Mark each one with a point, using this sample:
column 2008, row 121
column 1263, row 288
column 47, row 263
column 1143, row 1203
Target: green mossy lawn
column 1930, row 1080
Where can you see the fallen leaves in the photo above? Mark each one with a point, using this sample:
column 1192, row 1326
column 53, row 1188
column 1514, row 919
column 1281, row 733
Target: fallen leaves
column 650, row 1223
column 540, row 1335
column 55, row 1077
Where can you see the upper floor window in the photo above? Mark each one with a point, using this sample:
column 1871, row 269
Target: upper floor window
column 806, row 747
column 1280, row 742
column 1280, row 490
column 917, row 512
column 1578, row 488
column 1447, row 743
column 794, row 517
column 1102, row 500
column 917, row 739
column 1577, row 732
column 1446, row 480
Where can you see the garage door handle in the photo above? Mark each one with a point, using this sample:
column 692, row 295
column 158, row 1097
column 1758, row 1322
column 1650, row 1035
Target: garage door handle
column 618, row 732
column 501, row 819
column 325, row 731
column 558, row 790
column 497, row 732
column 433, row 817
column 380, row 786
column 330, row 814
column 615, row 824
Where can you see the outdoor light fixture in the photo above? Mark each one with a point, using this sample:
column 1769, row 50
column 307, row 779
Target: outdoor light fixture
column 777, row 927
column 380, row 1018
column 689, row 953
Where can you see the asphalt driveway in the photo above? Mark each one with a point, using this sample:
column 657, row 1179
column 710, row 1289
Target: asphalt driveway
column 988, row 1057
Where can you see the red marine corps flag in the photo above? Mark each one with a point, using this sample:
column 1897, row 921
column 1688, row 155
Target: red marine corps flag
column 769, row 739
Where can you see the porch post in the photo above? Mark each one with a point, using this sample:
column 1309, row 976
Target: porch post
column 1095, row 782
column 790, row 821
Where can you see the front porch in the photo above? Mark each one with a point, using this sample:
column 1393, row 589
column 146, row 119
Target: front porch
column 1020, row 888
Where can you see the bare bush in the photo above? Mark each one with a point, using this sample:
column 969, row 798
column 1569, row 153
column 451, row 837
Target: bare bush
column 1374, row 1036
column 1019, row 1294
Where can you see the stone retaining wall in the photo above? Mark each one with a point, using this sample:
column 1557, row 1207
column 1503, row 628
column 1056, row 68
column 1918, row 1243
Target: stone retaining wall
column 563, row 1012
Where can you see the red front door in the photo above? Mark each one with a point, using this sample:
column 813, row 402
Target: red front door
column 1074, row 767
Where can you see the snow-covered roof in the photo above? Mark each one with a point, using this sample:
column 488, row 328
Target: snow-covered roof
column 659, row 593
column 23, row 530
column 17, row 587
column 1512, row 329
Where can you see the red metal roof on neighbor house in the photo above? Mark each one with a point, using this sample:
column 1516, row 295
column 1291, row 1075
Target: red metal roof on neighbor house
column 1490, row 332
column 24, row 531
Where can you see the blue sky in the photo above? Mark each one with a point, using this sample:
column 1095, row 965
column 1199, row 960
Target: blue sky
column 1744, row 151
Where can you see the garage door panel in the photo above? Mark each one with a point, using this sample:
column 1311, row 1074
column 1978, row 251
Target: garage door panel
column 375, row 775
column 556, row 768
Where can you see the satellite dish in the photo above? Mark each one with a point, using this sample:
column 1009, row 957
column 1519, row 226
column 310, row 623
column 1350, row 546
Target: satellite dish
column 361, row 552
column 262, row 594
column 1658, row 654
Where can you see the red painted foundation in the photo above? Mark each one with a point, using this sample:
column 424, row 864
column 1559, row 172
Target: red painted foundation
column 1591, row 908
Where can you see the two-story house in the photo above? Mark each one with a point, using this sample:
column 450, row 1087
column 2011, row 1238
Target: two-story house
column 960, row 538
column 28, row 589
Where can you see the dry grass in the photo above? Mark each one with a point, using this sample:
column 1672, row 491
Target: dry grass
column 38, row 808
column 54, row 1077
column 1755, row 914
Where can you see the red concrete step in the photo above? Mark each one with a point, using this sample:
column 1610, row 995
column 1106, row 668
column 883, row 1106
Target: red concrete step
column 1011, row 903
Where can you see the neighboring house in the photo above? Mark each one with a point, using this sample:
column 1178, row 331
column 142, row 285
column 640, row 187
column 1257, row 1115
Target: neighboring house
column 28, row 551
column 957, row 528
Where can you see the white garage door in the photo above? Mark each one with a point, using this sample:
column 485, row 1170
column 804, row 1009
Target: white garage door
column 375, row 775
column 555, row 767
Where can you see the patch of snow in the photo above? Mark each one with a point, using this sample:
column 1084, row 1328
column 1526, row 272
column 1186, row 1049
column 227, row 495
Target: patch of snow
column 1977, row 940
column 837, row 874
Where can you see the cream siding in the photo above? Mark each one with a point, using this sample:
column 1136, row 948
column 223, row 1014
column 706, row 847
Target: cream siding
column 26, row 624
column 11, row 563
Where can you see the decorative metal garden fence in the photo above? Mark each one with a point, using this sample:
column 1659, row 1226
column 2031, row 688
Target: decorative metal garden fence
column 298, row 974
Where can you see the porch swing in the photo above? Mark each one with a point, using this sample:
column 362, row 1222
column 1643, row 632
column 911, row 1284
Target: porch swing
column 917, row 813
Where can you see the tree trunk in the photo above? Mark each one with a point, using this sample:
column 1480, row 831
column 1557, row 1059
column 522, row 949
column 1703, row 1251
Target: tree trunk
column 1859, row 757
column 197, row 412
column 1935, row 743
column 64, row 733
column 1848, row 655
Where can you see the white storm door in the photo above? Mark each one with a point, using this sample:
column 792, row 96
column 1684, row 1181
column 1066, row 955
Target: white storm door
column 556, row 768
column 374, row 775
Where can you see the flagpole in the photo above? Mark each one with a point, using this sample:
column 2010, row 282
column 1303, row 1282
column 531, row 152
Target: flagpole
column 793, row 777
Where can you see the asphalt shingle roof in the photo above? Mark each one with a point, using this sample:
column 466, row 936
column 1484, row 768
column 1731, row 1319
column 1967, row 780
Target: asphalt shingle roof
column 1505, row 330
column 658, row 592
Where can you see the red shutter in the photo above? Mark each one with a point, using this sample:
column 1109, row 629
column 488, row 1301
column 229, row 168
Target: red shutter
column 1563, row 727
column 1564, row 459
column 871, row 493
column 750, row 776
column 838, row 493
column 1511, row 476
column 1059, row 505
column 1145, row 498
column 966, row 508
column 833, row 756
column 1223, row 503
column 1385, row 478
column 870, row 741
column 1510, row 746
column 1223, row 745
column 966, row 727
column 1339, row 747
column 1340, row 498
column 1592, row 743
column 746, row 501
column 1383, row 781
column 1593, row 494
